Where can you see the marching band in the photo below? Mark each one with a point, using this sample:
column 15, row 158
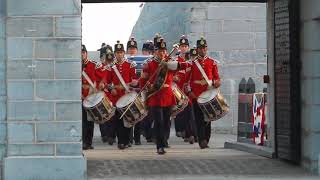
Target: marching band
column 183, row 88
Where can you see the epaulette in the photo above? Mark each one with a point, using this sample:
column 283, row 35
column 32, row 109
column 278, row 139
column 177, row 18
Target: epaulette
column 132, row 64
column 147, row 60
column 98, row 64
column 214, row 60
column 107, row 67
column 152, row 59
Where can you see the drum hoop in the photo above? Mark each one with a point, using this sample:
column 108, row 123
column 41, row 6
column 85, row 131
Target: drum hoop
column 208, row 100
column 91, row 102
column 122, row 98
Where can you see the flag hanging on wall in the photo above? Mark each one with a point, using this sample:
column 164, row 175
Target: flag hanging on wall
column 258, row 118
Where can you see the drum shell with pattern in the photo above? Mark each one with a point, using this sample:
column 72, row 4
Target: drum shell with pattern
column 133, row 107
column 99, row 107
column 213, row 104
column 181, row 101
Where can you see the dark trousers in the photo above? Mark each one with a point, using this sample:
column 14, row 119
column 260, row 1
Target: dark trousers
column 203, row 128
column 168, row 127
column 108, row 129
column 87, row 129
column 161, row 116
column 131, row 135
column 121, row 131
column 187, row 117
column 137, row 131
column 179, row 122
column 147, row 126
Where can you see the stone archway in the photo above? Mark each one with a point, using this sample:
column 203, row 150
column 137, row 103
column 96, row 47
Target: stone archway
column 46, row 34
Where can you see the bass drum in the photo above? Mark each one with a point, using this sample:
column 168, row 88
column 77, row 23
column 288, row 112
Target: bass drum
column 99, row 107
column 213, row 104
column 137, row 110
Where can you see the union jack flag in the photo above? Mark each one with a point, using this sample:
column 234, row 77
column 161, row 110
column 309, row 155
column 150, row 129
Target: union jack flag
column 258, row 118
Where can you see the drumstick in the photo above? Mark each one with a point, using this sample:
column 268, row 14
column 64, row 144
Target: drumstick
column 175, row 46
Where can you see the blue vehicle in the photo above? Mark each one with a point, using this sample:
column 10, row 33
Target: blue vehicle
column 139, row 60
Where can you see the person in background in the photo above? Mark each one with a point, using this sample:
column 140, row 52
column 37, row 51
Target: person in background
column 89, row 68
column 127, row 70
column 199, row 85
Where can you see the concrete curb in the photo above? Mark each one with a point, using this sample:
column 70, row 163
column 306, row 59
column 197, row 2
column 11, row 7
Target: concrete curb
column 250, row 148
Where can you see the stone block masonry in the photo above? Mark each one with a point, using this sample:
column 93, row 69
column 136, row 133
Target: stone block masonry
column 236, row 36
column 42, row 124
column 310, row 83
column 3, row 89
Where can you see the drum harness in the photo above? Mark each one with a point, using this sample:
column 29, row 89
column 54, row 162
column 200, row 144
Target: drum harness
column 123, row 83
column 85, row 75
column 204, row 75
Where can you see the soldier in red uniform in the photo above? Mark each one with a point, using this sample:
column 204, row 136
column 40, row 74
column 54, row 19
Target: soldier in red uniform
column 128, row 72
column 147, row 48
column 160, row 95
column 179, row 79
column 132, row 47
column 184, row 121
column 101, row 54
column 107, row 129
column 191, row 127
column 87, row 126
column 135, row 131
column 199, row 85
column 148, row 121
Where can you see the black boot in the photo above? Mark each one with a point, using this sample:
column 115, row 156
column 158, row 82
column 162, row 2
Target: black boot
column 121, row 146
column 161, row 151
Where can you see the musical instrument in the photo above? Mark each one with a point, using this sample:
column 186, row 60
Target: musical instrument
column 161, row 74
column 147, row 94
column 99, row 107
column 213, row 104
column 133, row 108
column 181, row 101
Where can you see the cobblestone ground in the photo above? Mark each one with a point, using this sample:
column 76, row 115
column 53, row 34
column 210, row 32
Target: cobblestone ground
column 185, row 161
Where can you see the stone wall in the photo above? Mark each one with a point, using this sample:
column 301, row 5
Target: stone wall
column 236, row 35
column 3, row 129
column 43, row 40
column 310, row 83
column 169, row 19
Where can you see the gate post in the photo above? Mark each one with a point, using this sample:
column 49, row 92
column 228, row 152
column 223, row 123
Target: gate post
column 43, row 83
column 241, row 108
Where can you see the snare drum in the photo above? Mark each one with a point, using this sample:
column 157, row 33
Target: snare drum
column 181, row 101
column 213, row 104
column 137, row 110
column 99, row 107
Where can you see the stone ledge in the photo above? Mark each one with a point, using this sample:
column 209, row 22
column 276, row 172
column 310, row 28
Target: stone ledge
column 53, row 168
column 258, row 150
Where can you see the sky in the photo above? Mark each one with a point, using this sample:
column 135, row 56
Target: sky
column 108, row 22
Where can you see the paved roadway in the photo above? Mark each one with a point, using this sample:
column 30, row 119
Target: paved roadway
column 186, row 162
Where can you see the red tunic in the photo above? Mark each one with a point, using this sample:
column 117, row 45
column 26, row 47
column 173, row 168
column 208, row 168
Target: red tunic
column 184, row 76
column 89, row 68
column 128, row 72
column 102, row 74
column 211, row 70
column 181, row 74
column 164, row 97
